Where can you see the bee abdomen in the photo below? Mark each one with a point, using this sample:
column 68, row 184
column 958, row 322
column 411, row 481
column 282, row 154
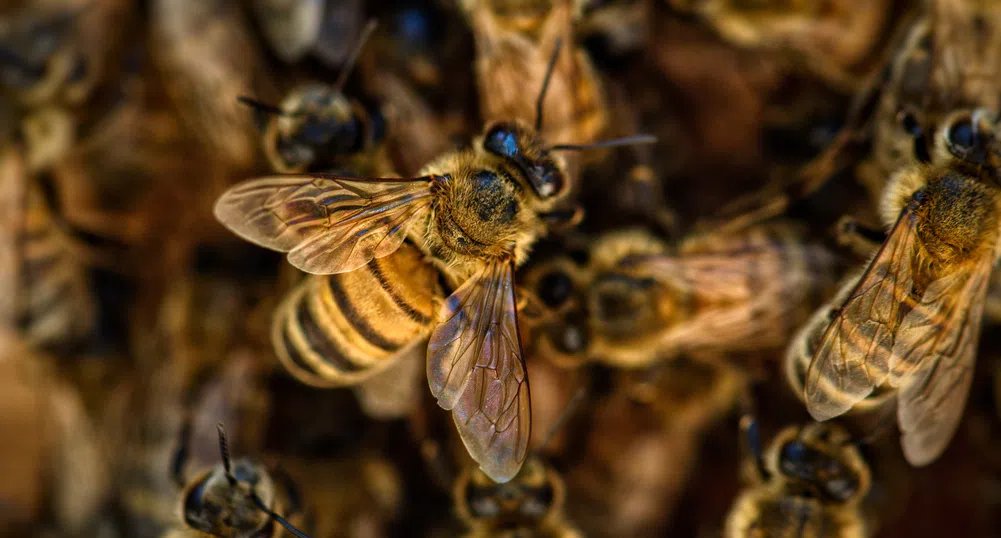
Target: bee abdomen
column 340, row 329
column 54, row 304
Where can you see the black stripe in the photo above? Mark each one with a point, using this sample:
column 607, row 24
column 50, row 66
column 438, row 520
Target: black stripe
column 56, row 300
column 318, row 340
column 376, row 271
column 294, row 355
column 356, row 320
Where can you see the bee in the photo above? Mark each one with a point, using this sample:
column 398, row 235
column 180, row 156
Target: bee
column 207, row 59
column 809, row 482
column 948, row 62
column 470, row 218
column 512, row 40
column 48, row 294
column 238, row 498
column 530, row 505
column 635, row 302
column 811, row 34
column 911, row 321
column 317, row 126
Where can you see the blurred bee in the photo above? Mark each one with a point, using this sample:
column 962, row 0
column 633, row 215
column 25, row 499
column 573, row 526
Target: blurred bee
column 530, row 505
column 620, row 26
column 809, row 482
column 949, row 61
column 207, row 58
column 911, row 321
column 317, row 127
column 813, row 34
column 470, row 218
column 48, row 296
column 234, row 499
column 634, row 302
column 512, row 42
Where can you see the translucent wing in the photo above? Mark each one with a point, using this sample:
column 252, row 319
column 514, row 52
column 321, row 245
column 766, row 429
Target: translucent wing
column 476, row 369
column 327, row 224
column 396, row 391
column 933, row 360
column 853, row 357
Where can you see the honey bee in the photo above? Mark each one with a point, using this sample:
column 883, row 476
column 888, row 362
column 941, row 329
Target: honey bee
column 809, row 482
column 812, row 34
column 317, row 126
column 512, row 42
column 948, row 62
column 207, row 59
column 911, row 321
column 238, row 498
column 48, row 297
column 530, row 505
column 635, row 302
column 474, row 214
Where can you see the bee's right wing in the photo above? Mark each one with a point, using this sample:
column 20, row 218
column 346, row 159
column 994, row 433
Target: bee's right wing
column 476, row 368
column 853, row 357
column 327, row 224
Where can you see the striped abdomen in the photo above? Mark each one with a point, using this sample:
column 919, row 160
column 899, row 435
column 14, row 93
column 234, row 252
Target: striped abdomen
column 746, row 292
column 51, row 298
column 339, row 329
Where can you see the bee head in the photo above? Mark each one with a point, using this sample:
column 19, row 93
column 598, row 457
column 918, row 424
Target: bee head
column 820, row 459
column 214, row 504
column 558, row 284
column 317, row 123
column 524, row 501
column 521, row 147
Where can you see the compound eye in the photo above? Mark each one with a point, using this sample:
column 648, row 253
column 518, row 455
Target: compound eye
column 501, row 141
column 961, row 135
column 555, row 288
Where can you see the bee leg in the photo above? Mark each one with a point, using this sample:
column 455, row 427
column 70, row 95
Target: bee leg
column 751, row 444
column 859, row 238
column 181, row 455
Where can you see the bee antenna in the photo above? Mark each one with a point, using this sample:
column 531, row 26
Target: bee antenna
column 545, row 83
column 349, row 65
column 281, row 521
column 261, row 106
column 572, row 406
column 627, row 141
column 224, row 452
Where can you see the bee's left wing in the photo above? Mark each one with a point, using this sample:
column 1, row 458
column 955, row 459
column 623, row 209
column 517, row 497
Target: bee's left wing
column 476, row 369
column 933, row 360
column 327, row 224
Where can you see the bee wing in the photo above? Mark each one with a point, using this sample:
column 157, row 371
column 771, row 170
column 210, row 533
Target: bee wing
column 326, row 224
column 476, row 369
column 394, row 392
column 933, row 360
column 853, row 357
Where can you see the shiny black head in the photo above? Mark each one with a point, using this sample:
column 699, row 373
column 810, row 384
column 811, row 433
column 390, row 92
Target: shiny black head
column 823, row 474
column 521, row 147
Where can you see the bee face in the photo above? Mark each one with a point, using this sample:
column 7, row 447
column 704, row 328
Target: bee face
column 527, row 499
column 521, row 147
column 820, row 458
column 320, row 122
column 215, row 506
column 626, row 307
